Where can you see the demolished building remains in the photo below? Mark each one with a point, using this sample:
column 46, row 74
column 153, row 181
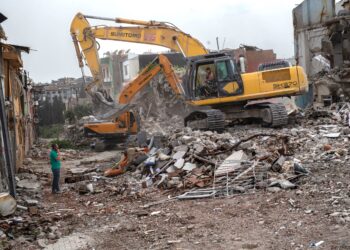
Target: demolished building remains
column 322, row 48
column 17, row 111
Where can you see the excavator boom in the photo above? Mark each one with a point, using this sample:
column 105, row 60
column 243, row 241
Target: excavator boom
column 148, row 32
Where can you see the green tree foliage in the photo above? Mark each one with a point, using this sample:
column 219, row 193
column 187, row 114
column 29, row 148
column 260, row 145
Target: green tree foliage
column 70, row 116
column 51, row 113
column 78, row 112
column 82, row 110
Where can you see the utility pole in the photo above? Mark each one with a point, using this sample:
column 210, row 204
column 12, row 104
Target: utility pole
column 217, row 43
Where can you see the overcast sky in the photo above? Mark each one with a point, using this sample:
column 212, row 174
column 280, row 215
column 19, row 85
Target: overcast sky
column 44, row 26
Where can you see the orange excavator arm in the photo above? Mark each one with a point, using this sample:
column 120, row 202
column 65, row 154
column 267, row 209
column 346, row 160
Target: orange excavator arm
column 160, row 63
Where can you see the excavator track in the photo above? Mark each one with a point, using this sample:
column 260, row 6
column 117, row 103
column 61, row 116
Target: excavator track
column 270, row 114
column 211, row 119
column 279, row 115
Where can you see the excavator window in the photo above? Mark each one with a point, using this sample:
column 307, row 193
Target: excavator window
column 229, row 80
column 224, row 71
column 206, row 81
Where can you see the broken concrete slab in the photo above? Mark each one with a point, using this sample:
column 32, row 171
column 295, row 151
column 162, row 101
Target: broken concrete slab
column 189, row 166
column 179, row 154
column 31, row 202
column 332, row 135
column 77, row 171
column 163, row 157
column 171, row 169
column 284, row 184
column 231, row 163
column 198, row 148
column 187, row 139
column 181, row 148
column 179, row 163
column 7, row 204
column 28, row 184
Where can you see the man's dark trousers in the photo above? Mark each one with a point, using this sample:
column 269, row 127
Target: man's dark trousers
column 56, row 180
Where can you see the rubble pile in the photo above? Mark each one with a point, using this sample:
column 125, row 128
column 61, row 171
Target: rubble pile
column 243, row 158
column 337, row 113
column 75, row 132
column 185, row 163
column 28, row 225
column 159, row 108
column 206, row 159
column 270, row 160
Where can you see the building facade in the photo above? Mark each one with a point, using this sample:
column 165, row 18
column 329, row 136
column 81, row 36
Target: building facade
column 17, row 112
column 69, row 90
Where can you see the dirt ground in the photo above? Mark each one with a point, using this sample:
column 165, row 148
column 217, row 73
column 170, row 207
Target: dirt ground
column 292, row 219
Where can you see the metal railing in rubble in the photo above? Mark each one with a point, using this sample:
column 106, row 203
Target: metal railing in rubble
column 232, row 177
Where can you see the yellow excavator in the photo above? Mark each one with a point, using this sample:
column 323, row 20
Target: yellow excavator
column 225, row 96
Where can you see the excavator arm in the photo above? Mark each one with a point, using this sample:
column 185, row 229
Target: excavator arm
column 147, row 32
column 160, row 63
column 124, row 121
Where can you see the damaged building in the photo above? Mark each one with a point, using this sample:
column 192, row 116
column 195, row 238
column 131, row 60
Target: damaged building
column 17, row 111
column 69, row 90
column 322, row 48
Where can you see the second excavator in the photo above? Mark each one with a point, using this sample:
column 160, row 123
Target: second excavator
column 212, row 83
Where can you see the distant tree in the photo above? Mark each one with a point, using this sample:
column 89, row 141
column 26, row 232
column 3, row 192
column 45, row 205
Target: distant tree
column 82, row 110
column 70, row 116
column 78, row 112
column 44, row 112
column 51, row 113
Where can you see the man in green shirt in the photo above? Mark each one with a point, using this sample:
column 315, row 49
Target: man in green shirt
column 55, row 161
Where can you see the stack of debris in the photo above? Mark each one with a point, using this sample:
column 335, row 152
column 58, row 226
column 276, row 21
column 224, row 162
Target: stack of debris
column 159, row 108
column 24, row 221
column 75, row 132
column 206, row 159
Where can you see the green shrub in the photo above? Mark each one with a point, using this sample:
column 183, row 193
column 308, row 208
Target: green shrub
column 78, row 112
column 82, row 110
column 62, row 143
column 50, row 131
column 69, row 115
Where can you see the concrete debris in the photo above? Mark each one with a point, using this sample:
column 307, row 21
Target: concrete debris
column 178, row 155
column 179, row 163
column 231, row 163
column 28, row 184
column 284, row 184
column 7, row 204
column 189, row 166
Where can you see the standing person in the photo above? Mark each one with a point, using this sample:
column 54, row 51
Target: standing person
column 55, row 161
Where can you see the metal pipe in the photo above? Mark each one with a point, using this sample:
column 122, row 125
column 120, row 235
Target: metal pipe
column 127, row 21
column 178, row 45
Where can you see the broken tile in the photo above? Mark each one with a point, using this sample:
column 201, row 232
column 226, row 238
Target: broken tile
column 179, row 154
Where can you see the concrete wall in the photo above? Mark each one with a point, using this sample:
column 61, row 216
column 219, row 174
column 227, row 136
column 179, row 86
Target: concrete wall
column 130, row 67
column 309, row 31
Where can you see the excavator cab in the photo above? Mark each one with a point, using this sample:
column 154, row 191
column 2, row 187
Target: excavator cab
column 212, row 76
